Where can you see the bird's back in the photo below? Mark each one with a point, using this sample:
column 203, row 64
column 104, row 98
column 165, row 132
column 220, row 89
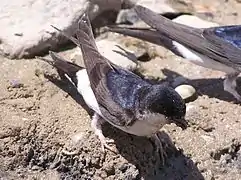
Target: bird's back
column 124, row 87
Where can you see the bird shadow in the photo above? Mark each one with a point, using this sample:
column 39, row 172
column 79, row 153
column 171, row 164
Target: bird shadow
column 67, row 87
column 141, row 152
column 212, row 87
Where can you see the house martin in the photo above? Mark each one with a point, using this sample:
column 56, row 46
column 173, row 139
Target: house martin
column 217, row 48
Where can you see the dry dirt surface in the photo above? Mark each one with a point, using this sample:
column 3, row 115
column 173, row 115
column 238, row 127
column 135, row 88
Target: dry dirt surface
column 45, row 126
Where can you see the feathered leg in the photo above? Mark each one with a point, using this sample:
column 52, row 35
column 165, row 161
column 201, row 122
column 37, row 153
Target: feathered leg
column 96, row 123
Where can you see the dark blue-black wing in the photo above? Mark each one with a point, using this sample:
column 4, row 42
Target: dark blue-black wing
column 204, row 41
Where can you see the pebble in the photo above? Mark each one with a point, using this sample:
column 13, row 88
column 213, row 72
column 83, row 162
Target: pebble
column 16, row 84
column 187, row 92
column 127, row 16
column 76, row 138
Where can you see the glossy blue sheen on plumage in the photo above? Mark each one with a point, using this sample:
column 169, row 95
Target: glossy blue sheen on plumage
column 124, row 87
column 232, row 34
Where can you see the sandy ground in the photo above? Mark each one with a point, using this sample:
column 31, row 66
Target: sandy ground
column 42, row 117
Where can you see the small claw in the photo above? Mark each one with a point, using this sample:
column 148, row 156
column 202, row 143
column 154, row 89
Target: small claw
column 96, row 125
column 105, row 146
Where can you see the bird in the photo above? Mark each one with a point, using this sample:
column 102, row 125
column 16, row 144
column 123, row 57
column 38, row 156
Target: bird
column 217, row 48
column 120, row 97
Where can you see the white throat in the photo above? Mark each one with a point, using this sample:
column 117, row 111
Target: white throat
column 146, row 125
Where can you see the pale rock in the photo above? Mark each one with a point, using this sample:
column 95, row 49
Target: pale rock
column 194, row 21
column 187, row 92
column 158, row 6
column 127, row 16
column 25, row 24
column 113, row 52
column 77, row 138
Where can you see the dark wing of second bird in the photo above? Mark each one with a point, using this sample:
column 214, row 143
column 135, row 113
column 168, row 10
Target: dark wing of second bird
column 222, row 44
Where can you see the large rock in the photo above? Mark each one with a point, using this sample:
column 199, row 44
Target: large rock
column 114, row 52
column 129, row 15
column 194, row 21
column 25, row 24
column 159, row 6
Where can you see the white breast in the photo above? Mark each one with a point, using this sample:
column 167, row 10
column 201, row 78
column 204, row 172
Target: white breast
column 201, row 60
column 146, row 126
column 85, row 90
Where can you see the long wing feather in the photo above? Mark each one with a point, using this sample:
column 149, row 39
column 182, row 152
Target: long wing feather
column 146, row 34
column 199, row 40
column 98, row 68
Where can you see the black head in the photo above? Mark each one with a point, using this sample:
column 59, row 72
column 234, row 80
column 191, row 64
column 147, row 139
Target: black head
column 165, row 100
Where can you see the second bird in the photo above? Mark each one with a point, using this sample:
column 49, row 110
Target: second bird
column 217, row 48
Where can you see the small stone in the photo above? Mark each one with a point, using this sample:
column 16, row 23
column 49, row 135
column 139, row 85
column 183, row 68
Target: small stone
column 76, row 138
column 187, row 92
column 35, row 168
column 16, row 84
column 127, row 16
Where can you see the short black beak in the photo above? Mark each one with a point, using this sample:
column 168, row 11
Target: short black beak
column 181, row 122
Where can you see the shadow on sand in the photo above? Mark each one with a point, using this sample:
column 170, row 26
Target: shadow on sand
column 141, row 152
column 212, row 87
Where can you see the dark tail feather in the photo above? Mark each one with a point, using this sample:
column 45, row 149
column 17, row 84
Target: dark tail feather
column 175, row 31
column 159, row 22
column 86, row 37
column 85, row 40
column 74, row 40
column 145, row 34
column 88, row 46
column 63, row 66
